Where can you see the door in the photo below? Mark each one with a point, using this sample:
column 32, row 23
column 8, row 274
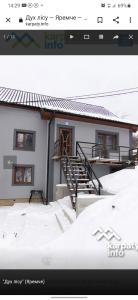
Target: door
column 65, row 138
column 108, row 143
column 103, row 145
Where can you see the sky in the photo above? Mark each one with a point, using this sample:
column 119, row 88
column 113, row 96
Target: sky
column 65, row 76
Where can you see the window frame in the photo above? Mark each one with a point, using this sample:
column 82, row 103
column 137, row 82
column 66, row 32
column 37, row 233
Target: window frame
column 23, row 131
column 14, row 183
column 107, row 133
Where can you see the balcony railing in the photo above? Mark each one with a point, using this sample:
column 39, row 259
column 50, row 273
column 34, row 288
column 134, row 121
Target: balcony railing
column 95, row 151
column 101, row 152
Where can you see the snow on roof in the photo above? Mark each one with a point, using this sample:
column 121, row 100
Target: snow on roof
column 14, row 96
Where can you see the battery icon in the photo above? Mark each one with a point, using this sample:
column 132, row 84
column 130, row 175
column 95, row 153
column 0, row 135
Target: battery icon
column 24, row 4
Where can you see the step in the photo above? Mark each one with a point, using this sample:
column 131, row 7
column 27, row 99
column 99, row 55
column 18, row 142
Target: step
column 70, row 172
column 76, row 164
column 74, row 168
column 73, row 156
column 83, row 190
column 70, row 157
column 80, row 179
column 77, row 171
column 72, row 160
column 76, row 174
column 77, row 168
column 84, row 185
column 75, row 160
column 72, row 163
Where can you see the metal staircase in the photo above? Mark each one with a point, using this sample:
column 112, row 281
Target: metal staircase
column 78, row 170
column 79, row 175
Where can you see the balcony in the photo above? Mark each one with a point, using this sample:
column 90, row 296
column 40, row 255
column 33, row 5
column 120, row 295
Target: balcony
column 101, row 154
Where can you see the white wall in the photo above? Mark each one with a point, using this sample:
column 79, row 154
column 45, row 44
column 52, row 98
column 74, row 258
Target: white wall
column 86, row 131
column 14, row 118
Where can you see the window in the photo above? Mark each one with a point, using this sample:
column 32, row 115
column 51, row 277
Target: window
column 23, row 175
column 24, row 140
column 108, row 140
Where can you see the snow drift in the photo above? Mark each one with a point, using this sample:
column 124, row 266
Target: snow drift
column 78, row 247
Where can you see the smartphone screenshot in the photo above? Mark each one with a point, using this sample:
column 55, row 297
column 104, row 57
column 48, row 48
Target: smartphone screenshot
column 68, row 147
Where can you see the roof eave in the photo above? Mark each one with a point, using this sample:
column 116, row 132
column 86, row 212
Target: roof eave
column 47, row 114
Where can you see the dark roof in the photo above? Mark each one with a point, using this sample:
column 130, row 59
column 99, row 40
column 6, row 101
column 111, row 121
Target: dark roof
column 13, row 96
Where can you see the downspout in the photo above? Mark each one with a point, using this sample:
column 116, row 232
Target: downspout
column 48, row 158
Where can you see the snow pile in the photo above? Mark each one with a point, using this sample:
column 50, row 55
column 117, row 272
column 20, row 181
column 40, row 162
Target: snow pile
column 25, row 228
column 118, row 181
column 41, row 244
column 79, row 248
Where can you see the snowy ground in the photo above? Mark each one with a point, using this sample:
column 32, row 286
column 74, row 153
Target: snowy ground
column 33, row 237
column 27, row 228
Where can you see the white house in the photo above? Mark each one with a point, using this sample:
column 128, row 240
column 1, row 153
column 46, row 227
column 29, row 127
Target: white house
column 47, row 140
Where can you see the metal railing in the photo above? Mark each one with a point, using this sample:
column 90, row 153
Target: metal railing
column 119, row 153
column 133, row 154
column 88, row 169
column 86, row 147
column 69, row 172
column 100, row 151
